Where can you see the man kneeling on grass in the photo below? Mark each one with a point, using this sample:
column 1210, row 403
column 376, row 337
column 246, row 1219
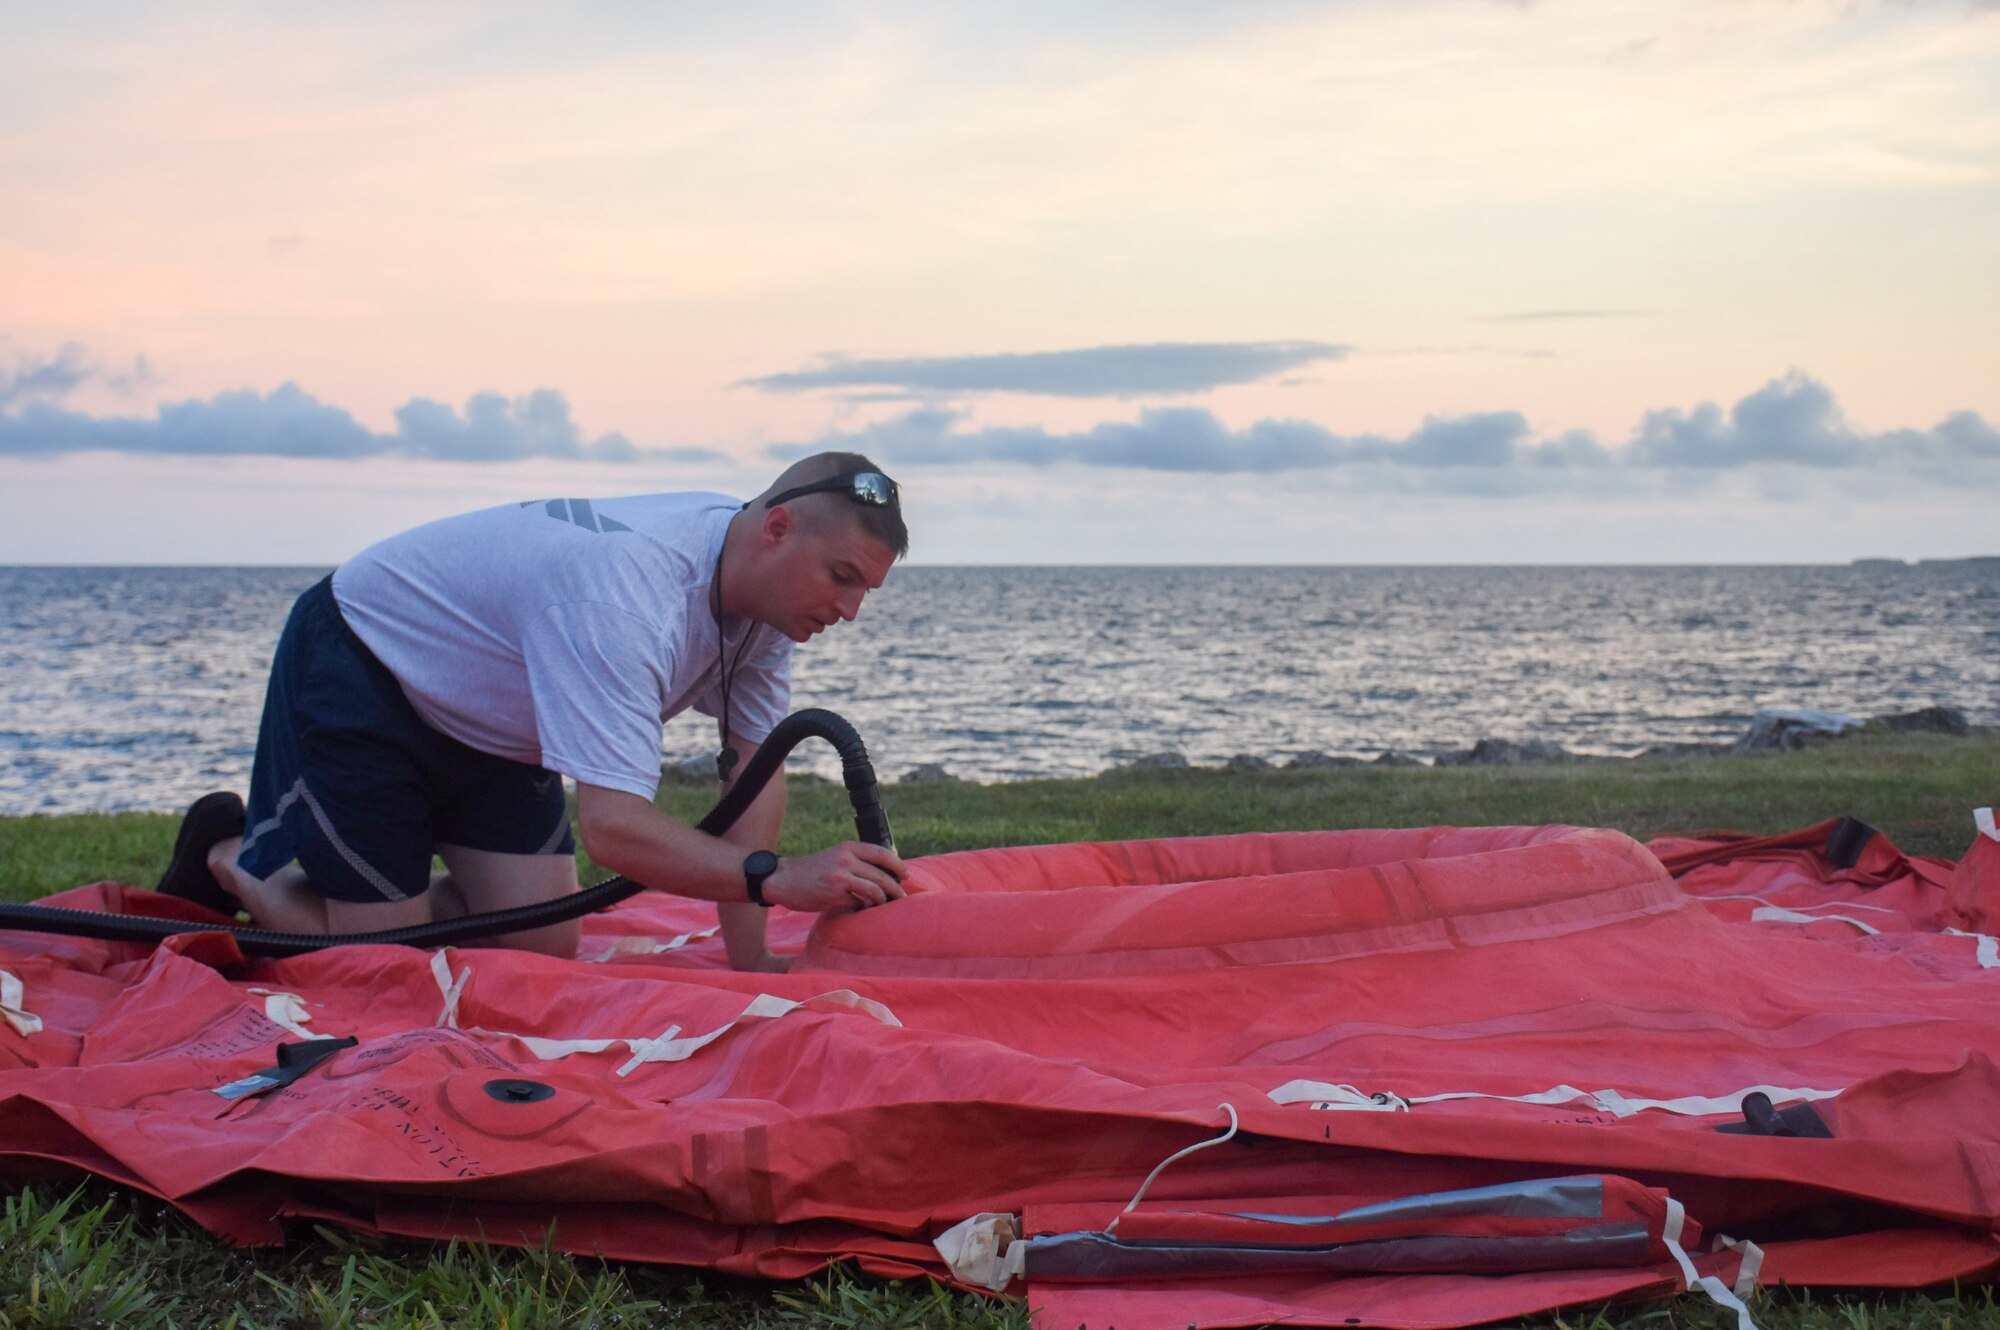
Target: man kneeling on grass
column 430, row 694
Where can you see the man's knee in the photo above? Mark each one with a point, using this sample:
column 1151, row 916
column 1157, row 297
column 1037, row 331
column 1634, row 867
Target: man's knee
column 558, row 940
column 486, row 882
column 344, row 917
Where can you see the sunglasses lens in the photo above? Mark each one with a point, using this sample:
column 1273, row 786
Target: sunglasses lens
column 875, row 488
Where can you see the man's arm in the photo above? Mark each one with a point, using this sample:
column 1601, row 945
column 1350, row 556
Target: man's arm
column 627, row 835
column 743, row 931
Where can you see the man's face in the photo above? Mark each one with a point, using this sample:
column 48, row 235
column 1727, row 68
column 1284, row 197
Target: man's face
column 819, row 575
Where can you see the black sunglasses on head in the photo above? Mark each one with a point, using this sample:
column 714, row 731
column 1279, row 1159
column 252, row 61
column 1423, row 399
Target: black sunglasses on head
column 867, row 487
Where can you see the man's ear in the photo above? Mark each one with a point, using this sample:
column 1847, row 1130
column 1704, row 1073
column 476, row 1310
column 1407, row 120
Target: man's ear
column 778, row 523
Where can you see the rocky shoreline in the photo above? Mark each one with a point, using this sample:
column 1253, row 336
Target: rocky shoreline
column 1781, row 730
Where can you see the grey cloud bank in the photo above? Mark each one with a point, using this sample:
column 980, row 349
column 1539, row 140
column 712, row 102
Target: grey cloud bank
column 494, row 429
column 1789, row 427
column 1164, row 369
column 289, row 422
column 1791, row 421
column 1193, row 439
column 32, row 378
column 1795, row 419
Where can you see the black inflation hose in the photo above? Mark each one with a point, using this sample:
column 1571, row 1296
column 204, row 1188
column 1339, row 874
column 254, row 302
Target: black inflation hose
column 857, row 773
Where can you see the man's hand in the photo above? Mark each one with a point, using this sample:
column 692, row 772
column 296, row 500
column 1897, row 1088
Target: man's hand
column 850, row 875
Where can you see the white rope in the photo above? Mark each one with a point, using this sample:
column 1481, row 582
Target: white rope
column 1158, row 1168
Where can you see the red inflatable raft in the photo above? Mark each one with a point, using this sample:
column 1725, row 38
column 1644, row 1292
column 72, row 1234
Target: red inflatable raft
column 1444, row 1076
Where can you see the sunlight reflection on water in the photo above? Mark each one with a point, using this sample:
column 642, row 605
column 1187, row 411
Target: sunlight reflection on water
column 140, row 688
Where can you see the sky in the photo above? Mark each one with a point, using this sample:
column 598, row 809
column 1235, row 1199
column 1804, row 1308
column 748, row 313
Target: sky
column 1140, row 281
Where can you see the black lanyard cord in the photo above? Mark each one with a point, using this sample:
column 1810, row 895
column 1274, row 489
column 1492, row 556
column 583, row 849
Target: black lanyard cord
column 725, row 760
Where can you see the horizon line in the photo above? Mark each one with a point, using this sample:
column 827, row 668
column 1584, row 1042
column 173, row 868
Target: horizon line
column 1877, row 560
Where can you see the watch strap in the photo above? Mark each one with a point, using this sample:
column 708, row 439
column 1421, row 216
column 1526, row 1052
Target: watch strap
column 759, row 866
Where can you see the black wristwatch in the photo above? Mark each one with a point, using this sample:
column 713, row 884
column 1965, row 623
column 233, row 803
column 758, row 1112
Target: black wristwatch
column 756, row 868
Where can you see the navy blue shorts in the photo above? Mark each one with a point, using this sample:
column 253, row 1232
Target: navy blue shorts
column 352, row 784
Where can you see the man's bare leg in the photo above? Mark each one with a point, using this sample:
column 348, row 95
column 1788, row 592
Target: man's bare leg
column 285, row 901
column 476, row 881
column 482, row 881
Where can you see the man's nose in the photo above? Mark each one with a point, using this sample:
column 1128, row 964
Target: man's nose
column 849, row 605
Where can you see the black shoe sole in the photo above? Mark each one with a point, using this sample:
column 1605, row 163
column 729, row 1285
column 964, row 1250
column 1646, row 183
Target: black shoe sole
column 210, row 819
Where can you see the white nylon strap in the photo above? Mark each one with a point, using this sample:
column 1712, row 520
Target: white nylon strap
column 452, row 986
column 1717, row 1291
column 669, row 1045
column 548, row 1050
column 666, row 1048
column 1748, row 1267
column 13, row 1006
column 1322, row 1094
column 1820, row 905
column 649, row 946
column 1779, row 915
column 1989, row 947
column 1670, row 1232
column 287, row 1011
column 1983, row 819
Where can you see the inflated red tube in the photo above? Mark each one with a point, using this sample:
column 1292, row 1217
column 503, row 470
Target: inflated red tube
column 1135, row 907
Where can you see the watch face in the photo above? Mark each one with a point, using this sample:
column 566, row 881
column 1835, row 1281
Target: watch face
column 760, row 865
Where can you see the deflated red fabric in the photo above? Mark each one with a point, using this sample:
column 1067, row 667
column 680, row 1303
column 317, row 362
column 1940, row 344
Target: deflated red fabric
column 1389, row 1014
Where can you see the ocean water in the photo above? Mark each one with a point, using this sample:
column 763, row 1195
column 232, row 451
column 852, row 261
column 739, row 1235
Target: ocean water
column 140, row 688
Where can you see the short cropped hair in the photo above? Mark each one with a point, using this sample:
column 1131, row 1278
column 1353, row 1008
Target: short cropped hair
column 884, row 521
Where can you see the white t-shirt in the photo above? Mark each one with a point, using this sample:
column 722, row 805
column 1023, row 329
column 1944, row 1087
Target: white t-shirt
column 566, row 632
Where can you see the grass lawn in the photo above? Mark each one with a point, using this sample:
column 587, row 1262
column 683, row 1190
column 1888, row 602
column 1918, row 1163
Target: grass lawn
column 94, row 1256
